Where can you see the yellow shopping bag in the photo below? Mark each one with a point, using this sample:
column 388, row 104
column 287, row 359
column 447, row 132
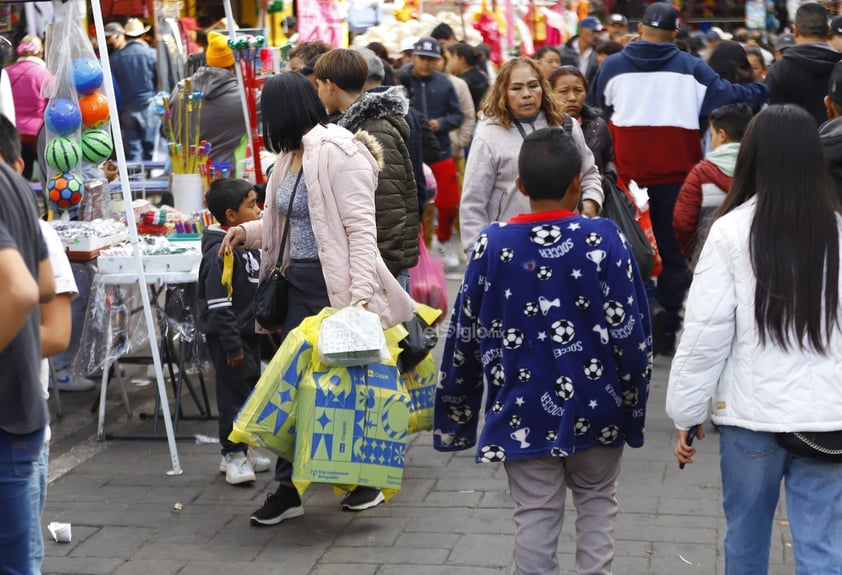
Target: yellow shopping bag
column 267, row 418
column 421, row 385
column 352, row 424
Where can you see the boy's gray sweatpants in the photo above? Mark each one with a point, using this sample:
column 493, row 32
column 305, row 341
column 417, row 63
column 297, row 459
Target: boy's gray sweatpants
column 539, row 486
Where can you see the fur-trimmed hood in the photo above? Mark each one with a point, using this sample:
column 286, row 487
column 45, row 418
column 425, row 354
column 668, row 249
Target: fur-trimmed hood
column 375, row 106
column 373, row 146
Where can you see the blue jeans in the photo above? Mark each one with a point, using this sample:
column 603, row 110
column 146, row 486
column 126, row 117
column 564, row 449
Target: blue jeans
column 753, row 466
column 17, row 454
column 37, row 498
column 674, row 280
column 140, row 128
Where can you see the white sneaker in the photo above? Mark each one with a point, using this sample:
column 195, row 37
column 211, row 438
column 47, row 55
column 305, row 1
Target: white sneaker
column 450, row 256
column 258, row 463
column 238, row 469
column 66, row 383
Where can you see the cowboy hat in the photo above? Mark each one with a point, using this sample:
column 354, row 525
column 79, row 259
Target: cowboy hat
column 134, row 28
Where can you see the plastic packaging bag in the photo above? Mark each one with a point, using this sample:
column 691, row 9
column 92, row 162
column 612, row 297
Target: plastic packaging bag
column 351, row 337
column 421, row 385
column 426, row 280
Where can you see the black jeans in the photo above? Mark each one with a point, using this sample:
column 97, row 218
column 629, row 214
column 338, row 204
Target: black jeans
column 233, row 386
column 307, row 296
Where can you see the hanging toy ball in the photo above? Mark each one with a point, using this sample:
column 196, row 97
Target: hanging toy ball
column 94, row 109
column 87, row 75
column 62, row 116
column 65, row 190
column 63, row 154
column 96, row 145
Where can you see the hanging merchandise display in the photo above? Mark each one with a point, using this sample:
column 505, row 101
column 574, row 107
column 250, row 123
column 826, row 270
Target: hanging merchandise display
column 77, row 107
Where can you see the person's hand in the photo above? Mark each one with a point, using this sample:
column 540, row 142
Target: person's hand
column 235, row 236
column 590, row 208
column 683, row 452
column 235, row 362
column 434, row 124
column 109, row 168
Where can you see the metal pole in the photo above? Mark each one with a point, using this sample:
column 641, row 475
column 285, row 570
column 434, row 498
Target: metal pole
column 96, row 8
column 229, row 17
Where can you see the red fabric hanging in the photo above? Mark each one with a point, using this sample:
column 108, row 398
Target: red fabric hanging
column 112, row 9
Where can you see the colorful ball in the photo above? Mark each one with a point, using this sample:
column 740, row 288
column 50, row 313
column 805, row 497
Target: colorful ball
column 94, row 108
column 65, row 190
column 87, row 75
column 62, row 116
column 96, row 145
column 63, row 154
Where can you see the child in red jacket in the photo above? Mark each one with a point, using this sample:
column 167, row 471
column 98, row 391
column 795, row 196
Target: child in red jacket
column 707, row 183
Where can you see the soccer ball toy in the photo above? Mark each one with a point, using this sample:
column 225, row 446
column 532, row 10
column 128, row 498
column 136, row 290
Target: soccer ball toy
column 65, row 190
column 62, row 154
column 87, row 75
column 96, row 145
column 62, row 116
column 94, row 109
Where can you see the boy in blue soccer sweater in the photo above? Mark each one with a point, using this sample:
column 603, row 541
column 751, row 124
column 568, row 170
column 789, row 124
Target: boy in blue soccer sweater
column 225, row 303
column 553, row 315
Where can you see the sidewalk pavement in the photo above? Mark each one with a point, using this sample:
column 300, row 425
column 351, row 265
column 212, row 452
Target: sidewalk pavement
column 452, row 517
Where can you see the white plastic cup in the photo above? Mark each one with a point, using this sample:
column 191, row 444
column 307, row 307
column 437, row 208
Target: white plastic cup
column 188, row 193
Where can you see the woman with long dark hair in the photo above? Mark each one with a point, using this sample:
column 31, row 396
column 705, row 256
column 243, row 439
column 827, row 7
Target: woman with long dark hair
column 762, row 341
column 328, row 177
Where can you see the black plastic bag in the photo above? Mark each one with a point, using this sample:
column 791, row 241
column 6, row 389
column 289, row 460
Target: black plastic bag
column 619, row 208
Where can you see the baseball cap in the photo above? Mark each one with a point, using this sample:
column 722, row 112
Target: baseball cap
column 717, row 33
column 662, row 16
column 618, row 19
column 836, row 26
column 427, row 47
column 785, row 41
column 834, row 85
column 591, row 23
column 113, row 29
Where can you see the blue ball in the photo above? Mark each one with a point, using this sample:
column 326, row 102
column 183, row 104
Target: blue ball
column 87, row 75
column 62, row 116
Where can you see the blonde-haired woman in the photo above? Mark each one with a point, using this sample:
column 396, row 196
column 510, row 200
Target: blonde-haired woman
column 520, row 102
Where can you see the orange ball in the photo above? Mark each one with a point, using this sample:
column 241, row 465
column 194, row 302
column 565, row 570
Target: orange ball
column 94, row 109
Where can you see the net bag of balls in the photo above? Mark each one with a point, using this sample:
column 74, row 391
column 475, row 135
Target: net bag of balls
column 77, row 128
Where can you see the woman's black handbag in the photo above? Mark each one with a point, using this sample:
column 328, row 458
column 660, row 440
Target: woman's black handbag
column 823, row 445
column 270, row 301
column 414, row 347
column 618, row 208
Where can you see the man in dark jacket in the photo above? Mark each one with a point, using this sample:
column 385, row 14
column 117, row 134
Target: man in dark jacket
column 580, row 50
column 830, row 132
column 221, row 122
column 341, row 75
column 802, row 74
column 435, row 96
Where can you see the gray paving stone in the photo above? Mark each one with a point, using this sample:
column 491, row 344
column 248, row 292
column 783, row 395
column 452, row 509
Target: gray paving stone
column 117, row 542
column 432, row 540
column 368, row 532
column 385, row 555
column 150, row 567
column 441, row 570
column 483, row 551
column 232, row 567
column 79, row 565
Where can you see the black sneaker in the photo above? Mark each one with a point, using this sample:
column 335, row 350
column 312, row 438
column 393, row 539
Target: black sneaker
column 362, row 498
column 284, row 504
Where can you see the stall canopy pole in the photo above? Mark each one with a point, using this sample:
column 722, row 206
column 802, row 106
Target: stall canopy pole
column 130, row 222
column 229, row 17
